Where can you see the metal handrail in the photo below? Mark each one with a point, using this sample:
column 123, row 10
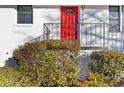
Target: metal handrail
column 41, row 37
column 109, row 37
column 85, row 23
column 48, row 31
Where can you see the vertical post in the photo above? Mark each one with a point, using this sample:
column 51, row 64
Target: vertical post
column 108, row 33
column 43, row 31
column 79, row 33
column 58, row 32
column 91, row 32
column 82, row 27
column 47, row 32
column 52, row 31
column 103, row 34
column 112, row 37
column 116, row 40
column 86, row 32
column 95, row 33
column 100, row 33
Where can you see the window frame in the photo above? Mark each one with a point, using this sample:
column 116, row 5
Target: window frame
column 119, row 14
column 122, row 10
column 25, row 14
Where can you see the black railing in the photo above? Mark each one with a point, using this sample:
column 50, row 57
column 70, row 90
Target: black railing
column 101, row 35
column 44, row 36
column 90, row 34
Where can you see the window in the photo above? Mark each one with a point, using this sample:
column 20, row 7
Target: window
column 24, row 14
column 114, row 16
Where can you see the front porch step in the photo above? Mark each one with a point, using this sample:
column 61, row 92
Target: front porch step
column 94, row 47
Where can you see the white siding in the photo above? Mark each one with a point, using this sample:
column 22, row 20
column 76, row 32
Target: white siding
column 13, row 34
column 94, row 14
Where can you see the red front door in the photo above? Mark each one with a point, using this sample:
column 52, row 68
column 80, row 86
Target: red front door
column 69, row 20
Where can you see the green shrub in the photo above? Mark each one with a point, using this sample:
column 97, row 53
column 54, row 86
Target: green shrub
column 108, row 63
column 96, row 80
column 63, row 44
column 9, row 77
column 31, row 51
column 45, row 63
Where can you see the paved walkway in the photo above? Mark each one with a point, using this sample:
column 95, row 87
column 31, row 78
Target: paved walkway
column 84, row 61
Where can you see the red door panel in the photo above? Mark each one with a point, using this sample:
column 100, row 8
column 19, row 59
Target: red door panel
column 69, row 20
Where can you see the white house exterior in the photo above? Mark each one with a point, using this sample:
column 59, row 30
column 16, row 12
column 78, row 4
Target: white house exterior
column 19, row 24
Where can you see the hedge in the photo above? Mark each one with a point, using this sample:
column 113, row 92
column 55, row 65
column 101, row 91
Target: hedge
column 108, row 63
column 31, row 51
column 48, row 63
